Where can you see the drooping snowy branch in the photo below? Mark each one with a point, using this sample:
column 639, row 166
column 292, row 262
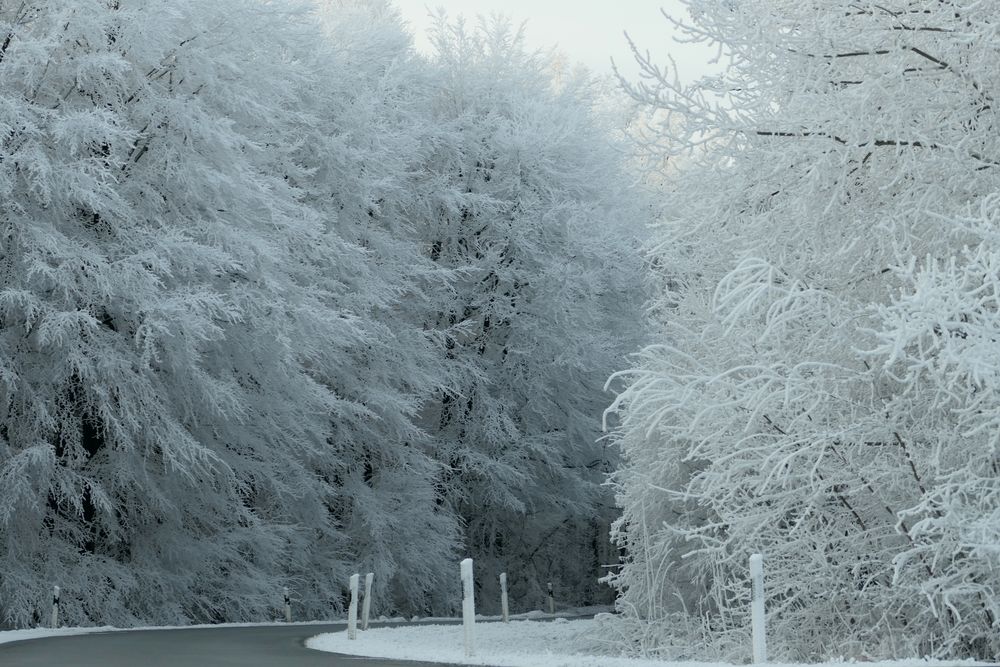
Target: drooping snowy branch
column 823, row 391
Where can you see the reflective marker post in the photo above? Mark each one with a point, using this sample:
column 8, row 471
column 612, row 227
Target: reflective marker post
column 757, row 609
column 352, row 611
column 55, row 607
column 504, row 610
column 367, row 607
column 468, row 608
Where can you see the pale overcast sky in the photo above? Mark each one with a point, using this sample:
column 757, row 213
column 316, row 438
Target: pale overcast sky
column 588, row 31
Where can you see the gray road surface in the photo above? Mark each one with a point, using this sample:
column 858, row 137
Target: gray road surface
column 271, row 646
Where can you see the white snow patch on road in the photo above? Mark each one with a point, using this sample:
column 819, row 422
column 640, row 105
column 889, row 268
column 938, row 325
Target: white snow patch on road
column 560, row 643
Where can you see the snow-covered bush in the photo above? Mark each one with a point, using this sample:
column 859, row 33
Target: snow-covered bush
column 824, row 385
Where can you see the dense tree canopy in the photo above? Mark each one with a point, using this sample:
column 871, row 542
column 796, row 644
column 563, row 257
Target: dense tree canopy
column 281, row 300
column 543, row 306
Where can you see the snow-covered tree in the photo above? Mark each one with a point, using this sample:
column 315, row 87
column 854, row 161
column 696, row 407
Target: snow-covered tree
column 265, row 322
column 529, row 205
column 824, row 389
column 363, row 154
column 159, row 320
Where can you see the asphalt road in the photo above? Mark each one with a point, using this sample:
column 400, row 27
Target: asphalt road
column 269, row 646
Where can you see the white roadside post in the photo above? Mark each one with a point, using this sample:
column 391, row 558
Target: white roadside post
column 352, row 610
column 757, row 609
column 288, row 605
column 468, row 608
column 367, row 607
column 504, row 610
column 552, row 601
column 55, row 607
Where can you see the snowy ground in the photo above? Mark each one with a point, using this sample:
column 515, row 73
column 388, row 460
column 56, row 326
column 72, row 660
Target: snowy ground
column 560, row 643
column 521, row 643
column 7, row 636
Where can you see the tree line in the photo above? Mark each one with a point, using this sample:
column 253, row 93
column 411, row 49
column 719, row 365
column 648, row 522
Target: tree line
column 282, row 299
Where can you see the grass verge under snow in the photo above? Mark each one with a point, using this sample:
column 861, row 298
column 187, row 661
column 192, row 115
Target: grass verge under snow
column 560, row 643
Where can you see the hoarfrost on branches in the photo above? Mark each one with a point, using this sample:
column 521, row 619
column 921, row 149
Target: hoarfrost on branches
column 224, row 326
column 824, row 388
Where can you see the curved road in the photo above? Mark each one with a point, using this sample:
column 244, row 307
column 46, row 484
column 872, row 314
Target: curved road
column 266, row 646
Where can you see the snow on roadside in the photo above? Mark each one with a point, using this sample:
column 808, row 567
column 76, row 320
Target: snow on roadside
column 560, row 643
column 7, row 636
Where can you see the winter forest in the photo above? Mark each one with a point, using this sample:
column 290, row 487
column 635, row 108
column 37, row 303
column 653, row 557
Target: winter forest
column 284, row 299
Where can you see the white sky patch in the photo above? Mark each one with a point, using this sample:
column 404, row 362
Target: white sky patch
column 591, row 33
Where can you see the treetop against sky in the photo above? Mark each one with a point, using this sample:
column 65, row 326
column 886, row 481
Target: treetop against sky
column 591, row 33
